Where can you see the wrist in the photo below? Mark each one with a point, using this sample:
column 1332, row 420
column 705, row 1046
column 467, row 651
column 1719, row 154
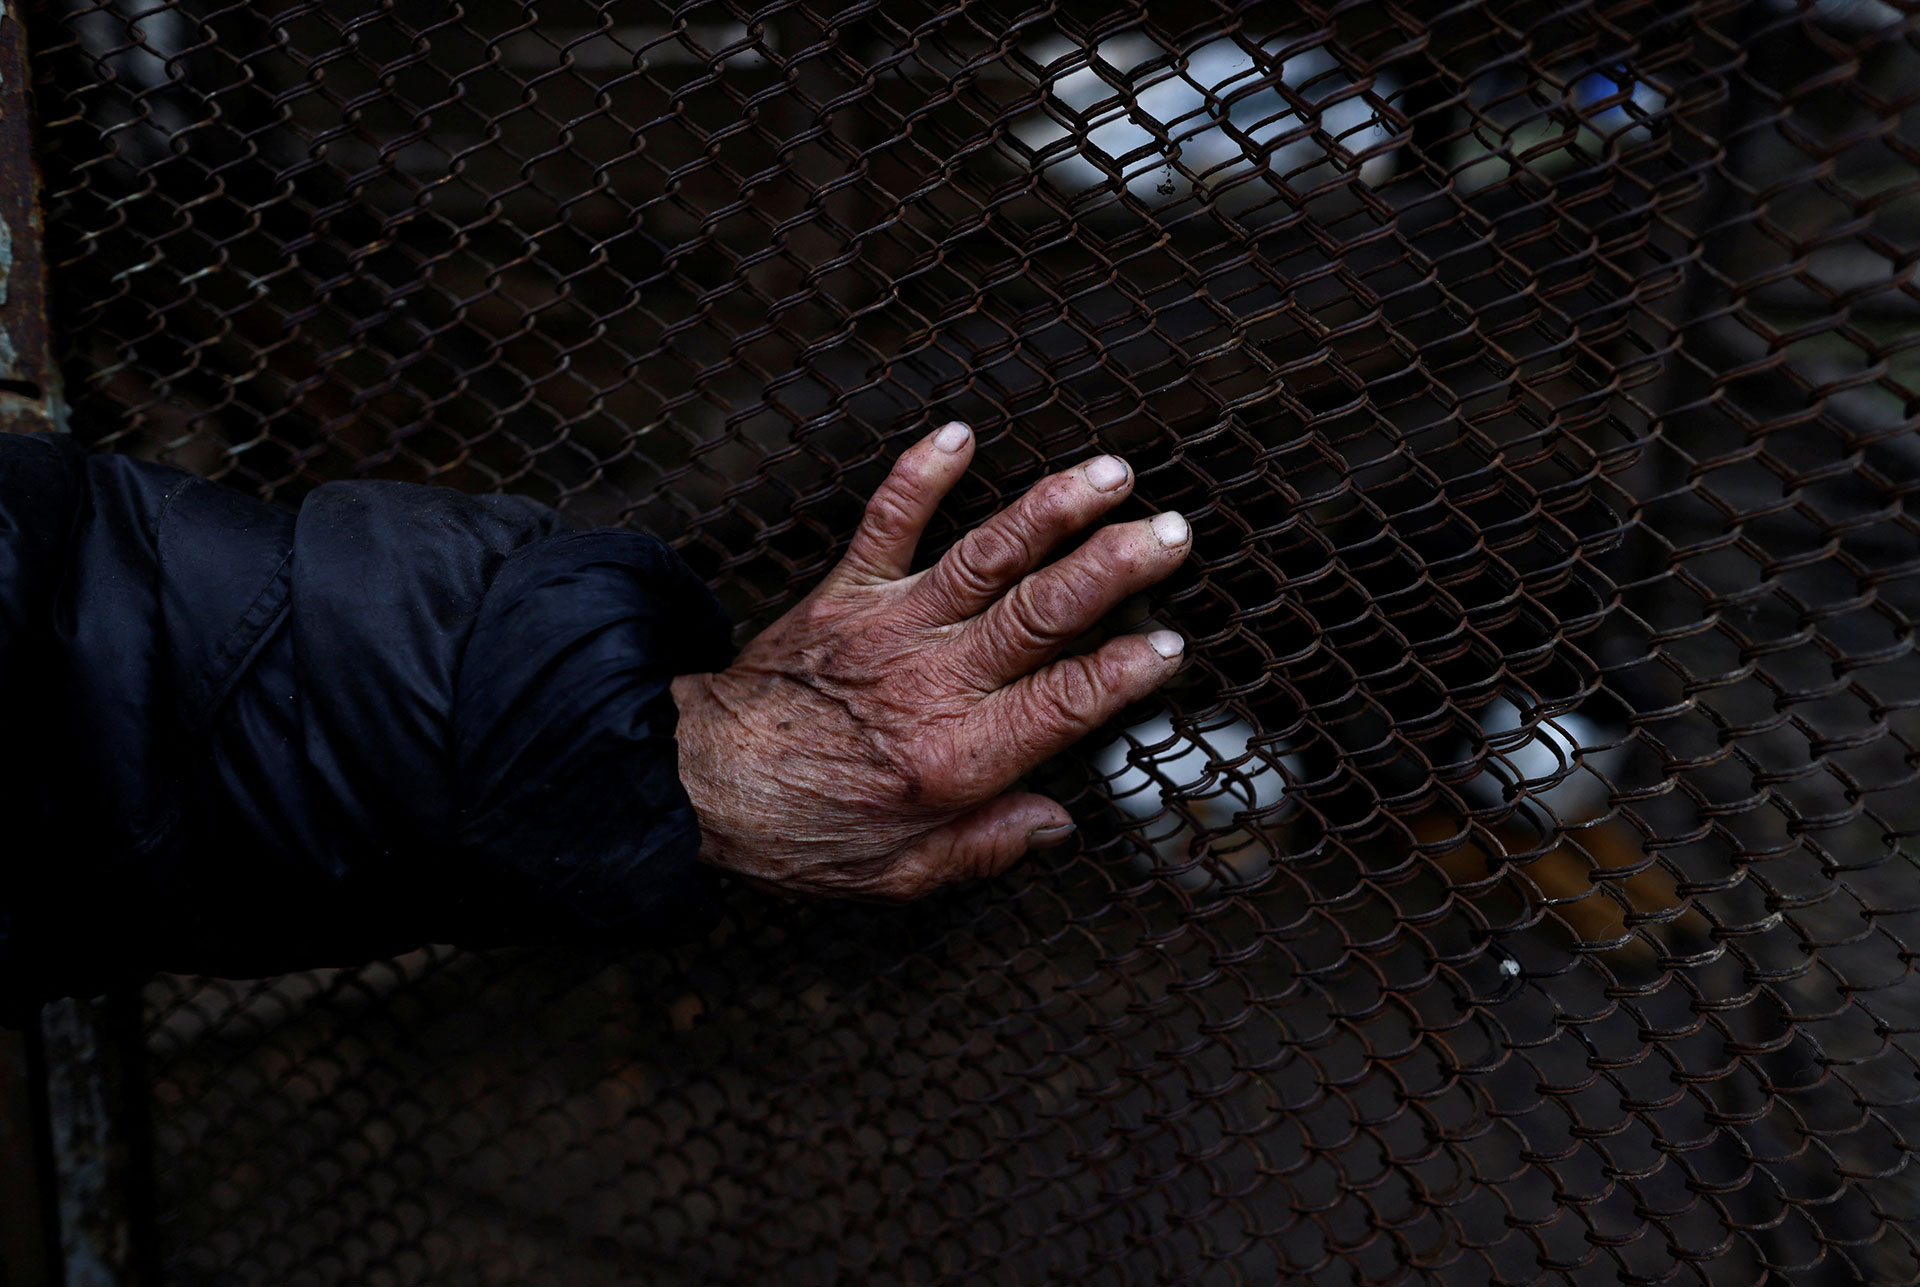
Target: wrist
column 693, row 734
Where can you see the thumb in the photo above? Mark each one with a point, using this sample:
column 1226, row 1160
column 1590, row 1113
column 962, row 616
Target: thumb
column 984, row 841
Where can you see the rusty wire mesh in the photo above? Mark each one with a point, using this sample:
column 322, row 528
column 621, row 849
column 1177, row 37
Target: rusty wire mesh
column 1517, row 885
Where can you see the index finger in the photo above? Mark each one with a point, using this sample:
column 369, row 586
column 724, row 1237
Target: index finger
column 899, row 511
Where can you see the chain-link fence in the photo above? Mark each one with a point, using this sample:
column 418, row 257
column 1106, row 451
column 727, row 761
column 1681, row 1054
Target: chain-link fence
column 1515, row 888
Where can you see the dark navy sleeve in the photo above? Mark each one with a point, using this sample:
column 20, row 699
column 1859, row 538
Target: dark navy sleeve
column 568, row 772
column 257, row 740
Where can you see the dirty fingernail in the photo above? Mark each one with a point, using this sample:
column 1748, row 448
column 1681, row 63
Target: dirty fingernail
column 1050, row 835
column 1170, row 529
column 952, row 437
column 1104, row 473
column 1167, row 643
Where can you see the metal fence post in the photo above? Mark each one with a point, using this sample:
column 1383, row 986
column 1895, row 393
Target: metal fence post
column 68, row 1148
column 92, row 1095
column 29, row 387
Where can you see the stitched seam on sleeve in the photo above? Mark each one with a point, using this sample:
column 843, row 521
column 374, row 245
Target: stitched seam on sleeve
column 223, row 669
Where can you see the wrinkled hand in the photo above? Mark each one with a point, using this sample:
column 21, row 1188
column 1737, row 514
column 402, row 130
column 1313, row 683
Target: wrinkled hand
column 863, row 745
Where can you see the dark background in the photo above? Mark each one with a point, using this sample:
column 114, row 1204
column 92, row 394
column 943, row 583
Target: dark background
column 1534, row 376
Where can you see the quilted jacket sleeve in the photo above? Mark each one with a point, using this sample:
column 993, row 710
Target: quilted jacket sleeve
column 239, row 740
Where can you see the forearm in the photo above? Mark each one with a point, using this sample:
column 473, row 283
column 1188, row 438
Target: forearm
column 268, row 740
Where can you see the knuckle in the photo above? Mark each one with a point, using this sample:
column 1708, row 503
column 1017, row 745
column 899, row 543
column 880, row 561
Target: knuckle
column 988, row 859
column 1120, row 554
column 990, row 556
column 890, row 510
column 1052, row 504
column 1074, row 693
column 1041, row 611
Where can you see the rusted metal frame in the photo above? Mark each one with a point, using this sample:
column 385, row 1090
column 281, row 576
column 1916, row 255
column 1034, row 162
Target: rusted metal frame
column 73, row 1148
column 99, row 1140
column 28, row 1232
column 29, row 386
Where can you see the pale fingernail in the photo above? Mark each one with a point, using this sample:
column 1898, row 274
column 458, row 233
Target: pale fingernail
column 1050, row 835
column 1167, row 643
column 1170, row 529
column 1104, row 473
column 952, row 437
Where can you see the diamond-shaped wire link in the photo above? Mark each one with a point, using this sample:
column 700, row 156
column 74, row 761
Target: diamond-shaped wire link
column 1515, row 887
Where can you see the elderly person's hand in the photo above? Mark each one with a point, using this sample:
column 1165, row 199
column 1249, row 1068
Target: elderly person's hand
column 863, row 746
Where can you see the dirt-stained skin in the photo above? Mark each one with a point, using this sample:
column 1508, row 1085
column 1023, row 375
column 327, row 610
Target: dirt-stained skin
column 863, row 745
